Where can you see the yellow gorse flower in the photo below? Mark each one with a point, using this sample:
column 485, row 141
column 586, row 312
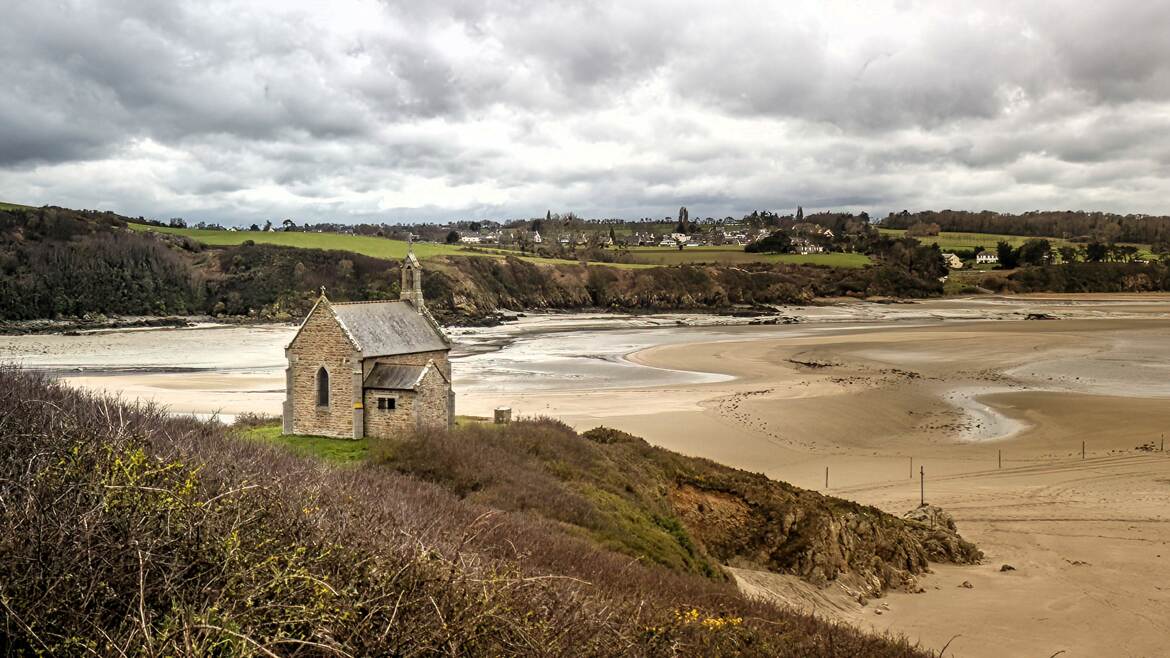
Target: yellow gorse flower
column 693, row 616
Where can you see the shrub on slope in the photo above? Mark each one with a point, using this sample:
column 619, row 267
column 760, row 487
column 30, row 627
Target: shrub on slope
column 125, row 532
column 685, row 513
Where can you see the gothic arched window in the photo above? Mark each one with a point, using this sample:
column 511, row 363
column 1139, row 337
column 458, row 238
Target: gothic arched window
column 322, row 387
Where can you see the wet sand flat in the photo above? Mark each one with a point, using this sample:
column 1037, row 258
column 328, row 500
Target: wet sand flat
column 1089, row 539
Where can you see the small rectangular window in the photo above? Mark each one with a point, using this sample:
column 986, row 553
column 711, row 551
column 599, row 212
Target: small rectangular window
column 390, row 403
column 381, row 403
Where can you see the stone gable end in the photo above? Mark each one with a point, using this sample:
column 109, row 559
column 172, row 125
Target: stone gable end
column 322, row 343
column 425, row 408
column 431, row 403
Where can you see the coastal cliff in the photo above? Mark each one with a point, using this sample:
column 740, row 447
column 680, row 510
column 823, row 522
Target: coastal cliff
column 685, row 513
column 57, row 264
column 462, row 289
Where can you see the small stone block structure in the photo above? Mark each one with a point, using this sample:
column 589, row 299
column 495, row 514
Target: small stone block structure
column 376, row 369
column 503, row 415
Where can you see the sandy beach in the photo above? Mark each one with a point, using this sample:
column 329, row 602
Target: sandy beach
column 873, row 393
column 1089, row 539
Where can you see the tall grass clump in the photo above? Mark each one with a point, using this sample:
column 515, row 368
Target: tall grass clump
column 124, row 532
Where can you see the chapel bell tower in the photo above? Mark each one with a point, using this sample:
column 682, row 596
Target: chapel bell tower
column 411, row 290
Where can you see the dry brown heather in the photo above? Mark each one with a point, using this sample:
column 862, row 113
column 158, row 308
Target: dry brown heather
column 125, row 532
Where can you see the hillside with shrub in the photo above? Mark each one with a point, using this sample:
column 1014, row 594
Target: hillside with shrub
column 64, row 263
column 685, row 513
column 127, row 532
column 58, row 263
column 1085, row 277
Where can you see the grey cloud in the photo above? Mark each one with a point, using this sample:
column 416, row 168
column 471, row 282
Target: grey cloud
column 1116, row 51
column 459, row 108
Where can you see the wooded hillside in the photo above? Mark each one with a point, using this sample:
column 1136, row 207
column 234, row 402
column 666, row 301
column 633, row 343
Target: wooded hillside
column 1067, row 224
column 62, row 263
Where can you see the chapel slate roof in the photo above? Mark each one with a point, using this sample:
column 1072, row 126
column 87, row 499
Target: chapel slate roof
column 394, row 378
column 389, row 328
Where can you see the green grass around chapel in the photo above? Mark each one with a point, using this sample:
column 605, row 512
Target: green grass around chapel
column 346, row 451
column 11, row 206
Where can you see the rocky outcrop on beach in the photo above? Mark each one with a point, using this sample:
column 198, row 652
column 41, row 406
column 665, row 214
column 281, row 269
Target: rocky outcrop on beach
column 931, row 516
column 938, row 534
column 684, row 513
column 748, row 520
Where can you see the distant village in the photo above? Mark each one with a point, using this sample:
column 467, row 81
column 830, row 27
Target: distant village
column 555, row 233
column 569, row 236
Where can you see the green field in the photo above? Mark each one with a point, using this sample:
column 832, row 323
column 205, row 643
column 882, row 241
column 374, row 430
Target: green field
column 953, row 240
column 11, row 206
column 396, row 249
column 358, row 244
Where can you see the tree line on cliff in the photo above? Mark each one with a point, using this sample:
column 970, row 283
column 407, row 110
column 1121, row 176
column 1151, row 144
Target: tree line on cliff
column 61, row 263
column 1081, row 226
column 58, row 263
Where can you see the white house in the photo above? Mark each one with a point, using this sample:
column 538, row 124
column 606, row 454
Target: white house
column 953, row 261
column 986, row 258
column 806, row 246
column 536, row 239
column 470, row 239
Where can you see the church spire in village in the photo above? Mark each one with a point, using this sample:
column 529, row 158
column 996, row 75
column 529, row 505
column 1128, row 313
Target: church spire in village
column 411, row 290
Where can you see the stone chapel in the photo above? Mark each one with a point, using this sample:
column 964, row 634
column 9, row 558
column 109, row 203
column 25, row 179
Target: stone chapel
column 376, row 369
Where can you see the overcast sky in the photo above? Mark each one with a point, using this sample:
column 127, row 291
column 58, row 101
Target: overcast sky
column 434, row 110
